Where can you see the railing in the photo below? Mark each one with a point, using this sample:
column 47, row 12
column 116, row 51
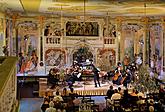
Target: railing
column 52, row 40
column 8, row 86
column 109, row 41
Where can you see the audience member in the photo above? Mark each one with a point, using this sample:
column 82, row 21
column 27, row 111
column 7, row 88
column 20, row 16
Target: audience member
column 46, row 97
column 120, row 91
column 58, row 97
column 65, row 92
column 141, row 93
column 133, row 93
column 58, row 101
column 115, row 96
column 110, row 92
column 70, row 106
column 45, row 105
column 51, row 107
column 72, row 94
column 140, row 101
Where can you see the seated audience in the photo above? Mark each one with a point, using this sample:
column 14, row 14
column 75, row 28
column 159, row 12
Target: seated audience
column 125, row 98
column 115, row 96
column 58, row 101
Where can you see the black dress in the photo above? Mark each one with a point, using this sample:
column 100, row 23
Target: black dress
column 44, row 107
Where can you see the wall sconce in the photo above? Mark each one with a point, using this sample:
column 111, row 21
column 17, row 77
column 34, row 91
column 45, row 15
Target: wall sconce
column 26, row 37
column 118, row 35
column 141, row 42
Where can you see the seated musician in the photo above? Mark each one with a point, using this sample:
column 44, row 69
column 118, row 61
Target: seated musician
column 73, row 75
column 117, row 78
column 53, row 77
column 126, row 61
column 127, row 76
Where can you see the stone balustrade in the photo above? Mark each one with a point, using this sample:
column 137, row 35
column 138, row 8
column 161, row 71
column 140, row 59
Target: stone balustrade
column 8, row 82
column 52, row 40
column 109, row 41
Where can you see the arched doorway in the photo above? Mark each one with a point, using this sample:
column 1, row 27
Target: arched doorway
column 82, row 54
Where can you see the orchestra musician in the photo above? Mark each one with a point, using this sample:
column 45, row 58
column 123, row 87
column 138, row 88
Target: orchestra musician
column 53, row 77
column 118, row 74
column 127, row 77
column 117, row 78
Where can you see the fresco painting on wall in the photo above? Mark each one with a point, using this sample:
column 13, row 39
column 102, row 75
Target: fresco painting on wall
column 28, row 58
column 53, row 29
column 155, row 34
column 81, row 29
column 1, row 44
column 157, row 41
column 110, row 30
column 27, row 46
column 55, row 57
column 129, row 47
column 106, row 59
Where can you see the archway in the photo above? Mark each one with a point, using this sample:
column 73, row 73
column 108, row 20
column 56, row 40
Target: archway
column 82, row 54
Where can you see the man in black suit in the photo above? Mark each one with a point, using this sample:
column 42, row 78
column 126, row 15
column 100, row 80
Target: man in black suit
column 96, row 74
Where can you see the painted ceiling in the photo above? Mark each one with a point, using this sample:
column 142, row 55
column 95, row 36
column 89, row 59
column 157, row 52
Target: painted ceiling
column 90, row 7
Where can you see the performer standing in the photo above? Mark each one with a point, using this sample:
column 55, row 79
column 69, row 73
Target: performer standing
column 96, row 74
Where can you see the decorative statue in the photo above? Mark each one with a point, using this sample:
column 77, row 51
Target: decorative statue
column 5, row 50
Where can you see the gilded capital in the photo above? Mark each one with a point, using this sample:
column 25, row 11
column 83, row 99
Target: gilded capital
column 41, row 20
column 145, row 20
column 163, row 22
column 14, row 18
column 119, row 20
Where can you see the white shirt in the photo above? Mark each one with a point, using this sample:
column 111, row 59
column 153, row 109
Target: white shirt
column 50, row 109
column 140, row 94
column 57, row 98
column 116, row 96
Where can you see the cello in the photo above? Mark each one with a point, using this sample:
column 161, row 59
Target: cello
column 116, row 76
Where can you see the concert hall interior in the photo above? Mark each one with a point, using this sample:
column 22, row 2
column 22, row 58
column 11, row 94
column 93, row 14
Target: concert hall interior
column 82, row 55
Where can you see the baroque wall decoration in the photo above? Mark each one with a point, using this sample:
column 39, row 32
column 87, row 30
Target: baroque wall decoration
column 106, row 58
column 55, row 57
column 82, row 29
column 53, row 29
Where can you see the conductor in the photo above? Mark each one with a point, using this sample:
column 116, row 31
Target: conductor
column 96, row 74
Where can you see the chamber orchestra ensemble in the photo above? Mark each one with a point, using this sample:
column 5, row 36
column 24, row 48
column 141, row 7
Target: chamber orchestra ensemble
column 121, row 75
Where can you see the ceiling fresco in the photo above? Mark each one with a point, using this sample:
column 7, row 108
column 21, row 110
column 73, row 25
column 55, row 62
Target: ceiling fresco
column 92, row 7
